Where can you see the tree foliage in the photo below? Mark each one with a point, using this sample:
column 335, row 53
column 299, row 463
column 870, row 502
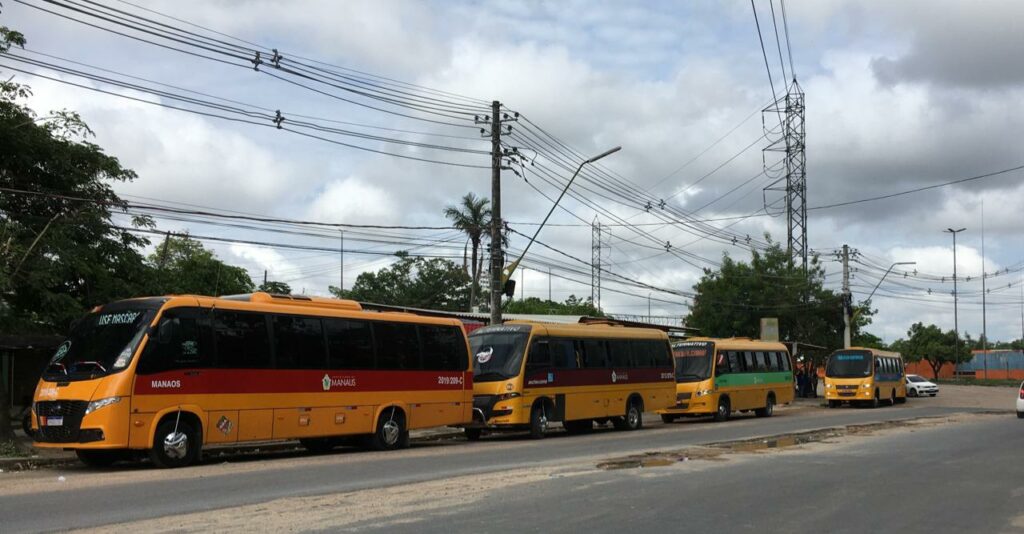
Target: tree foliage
column 931, row 344
column 435, row 283
column 572, row 306
column 473, row 217
column 279, row 288
column 182, row 265
column 732, row 300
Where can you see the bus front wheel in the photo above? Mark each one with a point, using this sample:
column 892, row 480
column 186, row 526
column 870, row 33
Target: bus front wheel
column 473, row 434
column 722, row 413
column 538, row 421
column 176, row 443
column 667, row 418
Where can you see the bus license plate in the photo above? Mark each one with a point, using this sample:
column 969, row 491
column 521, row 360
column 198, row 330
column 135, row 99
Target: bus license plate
column 54, row 421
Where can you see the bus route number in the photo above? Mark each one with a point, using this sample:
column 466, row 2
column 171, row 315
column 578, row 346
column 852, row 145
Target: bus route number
column 449, row 380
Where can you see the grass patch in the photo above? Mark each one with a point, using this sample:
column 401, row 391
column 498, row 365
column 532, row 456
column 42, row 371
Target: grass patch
column 9, row 450
column 998, row 382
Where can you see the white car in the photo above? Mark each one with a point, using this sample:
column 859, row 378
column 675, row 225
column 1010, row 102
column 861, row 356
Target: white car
column 918, row 386
column 1020, row 402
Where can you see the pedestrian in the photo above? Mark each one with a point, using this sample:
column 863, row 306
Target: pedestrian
column 800, row 383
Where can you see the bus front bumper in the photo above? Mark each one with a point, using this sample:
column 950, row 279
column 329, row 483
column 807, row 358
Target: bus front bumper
column 687, row 404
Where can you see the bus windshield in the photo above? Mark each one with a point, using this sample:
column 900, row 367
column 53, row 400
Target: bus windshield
column 497, row 352
column 693, row 360
column 849, row 364
column 101, row 343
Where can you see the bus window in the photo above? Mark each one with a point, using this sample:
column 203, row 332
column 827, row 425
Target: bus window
column 242, row 340
column 349, row 343
column 563, row 355
column 298, row 342
column 662, row 353
column 397, row 345
column 594, row 354
column 619, row 353
column 444, row 348
column 771, row 362
column 783, row 358
column 722, row 363
column 748, row 362
column 539, row 356
column 182, row 341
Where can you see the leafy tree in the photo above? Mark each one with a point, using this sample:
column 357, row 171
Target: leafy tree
column 931, row 344
column 472, row 216
column 435, row 283
column 732, row 300
column 867, row 339
column 183, row 266
column 571, row 306
column 279, row 288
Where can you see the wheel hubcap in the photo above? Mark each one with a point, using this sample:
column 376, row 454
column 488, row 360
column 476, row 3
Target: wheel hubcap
column 391, row 432
column 176, row 445
column 633, row 417
column 543, row 423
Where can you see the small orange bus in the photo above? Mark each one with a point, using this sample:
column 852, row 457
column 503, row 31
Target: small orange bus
column 169, row 375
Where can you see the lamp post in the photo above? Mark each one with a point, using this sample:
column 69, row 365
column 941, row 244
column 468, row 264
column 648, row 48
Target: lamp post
column 956, row 323
column 507, row 274
column 880, row 280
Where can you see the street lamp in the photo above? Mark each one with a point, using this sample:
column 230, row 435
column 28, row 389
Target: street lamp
column 956, row 323
column 507, row 273
column 889, row 270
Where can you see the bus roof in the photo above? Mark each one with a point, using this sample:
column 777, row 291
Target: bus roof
column 741, row 343
column 605, row 330
column 876, row 352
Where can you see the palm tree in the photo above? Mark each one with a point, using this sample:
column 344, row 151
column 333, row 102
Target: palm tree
column 472, row 216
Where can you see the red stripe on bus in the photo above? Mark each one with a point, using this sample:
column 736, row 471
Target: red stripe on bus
column 257, row 381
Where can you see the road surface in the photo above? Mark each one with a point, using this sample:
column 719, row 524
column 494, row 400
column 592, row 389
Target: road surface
column 956, row 470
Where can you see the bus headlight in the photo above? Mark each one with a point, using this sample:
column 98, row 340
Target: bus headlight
column 703, row 392
column 829, row 386
column 97, row 404
column 507, row 396
column 868, row 385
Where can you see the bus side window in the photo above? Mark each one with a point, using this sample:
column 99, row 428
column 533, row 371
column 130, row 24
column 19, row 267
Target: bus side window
column 722, row 364
column 444, row 348
column 748, row 362
column 397, row 345
column 662, row 354
column 299, row 342
column 181, row 341
column 619, row 353
column 243, row 340
column 735, row 361
column 784, row 364
column 594, row 354
column 563, row 353
column 539, row 357
column 349, row 343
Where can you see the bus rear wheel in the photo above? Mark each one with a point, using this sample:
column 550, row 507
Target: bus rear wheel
column 634, row 418
column 769, row 407
column 175, row 444
column 391, row 433
column 473, row 434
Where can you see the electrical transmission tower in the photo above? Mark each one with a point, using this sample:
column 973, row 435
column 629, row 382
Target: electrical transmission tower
column 788, row 138
column 598, row 244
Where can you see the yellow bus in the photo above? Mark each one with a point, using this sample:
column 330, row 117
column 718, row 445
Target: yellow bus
column 865, row 376
column 169, row 375
column 719, row 376
column 527, row 375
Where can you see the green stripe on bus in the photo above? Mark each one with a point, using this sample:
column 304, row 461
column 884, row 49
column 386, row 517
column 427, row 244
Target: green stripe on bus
column 753, row 379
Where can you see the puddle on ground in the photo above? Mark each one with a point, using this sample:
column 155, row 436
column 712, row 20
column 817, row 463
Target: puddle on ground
column 715, row 451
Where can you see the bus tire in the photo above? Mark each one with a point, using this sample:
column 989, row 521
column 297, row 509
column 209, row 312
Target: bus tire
column 578, row 427
column 835, row 403
column 391, row 431
column 319, row 445
column 99, row 458
column 769, row 407
column 724, row 409
column 179, row 449
column 876, row 401
column 538, row 421
column 473, row 434
column 634, row 418
column 668, row 418
column 892, row 398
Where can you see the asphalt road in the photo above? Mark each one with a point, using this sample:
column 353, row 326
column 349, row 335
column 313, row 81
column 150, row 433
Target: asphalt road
column 733, row 492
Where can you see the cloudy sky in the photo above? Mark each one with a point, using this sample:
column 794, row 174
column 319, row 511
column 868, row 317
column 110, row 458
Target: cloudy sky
column 897, row 97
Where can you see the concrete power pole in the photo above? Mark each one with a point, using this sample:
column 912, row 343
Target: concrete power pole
column 497, row 259
column 847, row 297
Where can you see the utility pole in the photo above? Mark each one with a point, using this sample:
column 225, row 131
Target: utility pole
column 595, row 263
column 549, row 284
column 791, row 142
column 497, row 259
column 847, row 296
column 956, row 322
column 264, row 278
column 984, row 314
column 648, row 307
column 341, row 263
